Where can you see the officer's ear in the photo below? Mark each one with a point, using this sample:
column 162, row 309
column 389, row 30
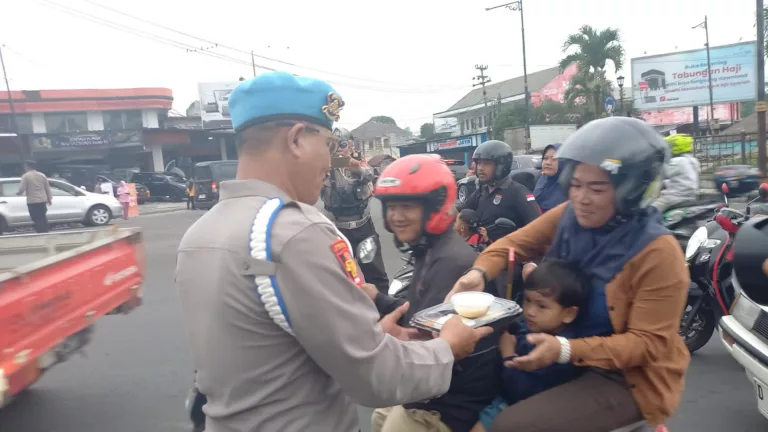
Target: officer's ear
column 293, row 139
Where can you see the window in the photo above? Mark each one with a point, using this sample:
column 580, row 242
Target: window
column 66, row 122
column 9, row 189
column 480, row 122
column 58, row 189
column 23, row 121
column 119, row 120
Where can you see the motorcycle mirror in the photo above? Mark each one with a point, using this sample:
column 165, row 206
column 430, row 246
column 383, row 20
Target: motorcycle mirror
column 504, row 223
column 724, row 188
column 762, row 191
column 366, row 250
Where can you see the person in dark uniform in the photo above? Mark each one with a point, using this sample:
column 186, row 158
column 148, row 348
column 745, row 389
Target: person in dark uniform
column 498, row 195
column 346, row 194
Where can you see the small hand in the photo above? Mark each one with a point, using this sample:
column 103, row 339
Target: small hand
column 391, row 327
column 484, row 234
column 507, row 346
column 355, row 166
column 50, row 202
column 545, row 354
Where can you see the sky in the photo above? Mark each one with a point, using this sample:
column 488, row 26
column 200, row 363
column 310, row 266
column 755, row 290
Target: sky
column 406, row 59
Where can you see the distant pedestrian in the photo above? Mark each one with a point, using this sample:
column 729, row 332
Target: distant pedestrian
column 191, row 195
column 124, row 196
column 38, row 191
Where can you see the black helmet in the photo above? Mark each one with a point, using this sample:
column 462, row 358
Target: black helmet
column 632, row 152
column 498, row 152
column 750, row 250
column 343, row 135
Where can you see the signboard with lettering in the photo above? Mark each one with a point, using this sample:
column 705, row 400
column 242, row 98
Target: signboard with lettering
column 449, row 143
column 96, row 139
column 682, row 79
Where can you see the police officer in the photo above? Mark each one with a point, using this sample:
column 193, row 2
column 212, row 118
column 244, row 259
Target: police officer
column 498, row 195
column 283, row 338
column 346, row 193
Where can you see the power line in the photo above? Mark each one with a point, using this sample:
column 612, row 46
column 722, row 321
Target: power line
column 217, row 44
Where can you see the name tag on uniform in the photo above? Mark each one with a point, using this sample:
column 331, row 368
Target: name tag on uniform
column 497, row 199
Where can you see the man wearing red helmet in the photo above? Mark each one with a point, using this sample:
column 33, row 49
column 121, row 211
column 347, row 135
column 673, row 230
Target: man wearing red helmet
column 417, row 194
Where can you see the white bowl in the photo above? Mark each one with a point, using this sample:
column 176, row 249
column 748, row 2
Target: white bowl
column 472, row 304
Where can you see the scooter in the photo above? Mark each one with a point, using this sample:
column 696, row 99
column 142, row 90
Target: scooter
column 684, row 219
column 709, row 254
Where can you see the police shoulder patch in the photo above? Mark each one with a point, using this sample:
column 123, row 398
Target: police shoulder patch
column 530, row 197
column 348, row 265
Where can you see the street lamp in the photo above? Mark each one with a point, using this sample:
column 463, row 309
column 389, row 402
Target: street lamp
column 518, row 6
column 705, row 26
column 620, row 82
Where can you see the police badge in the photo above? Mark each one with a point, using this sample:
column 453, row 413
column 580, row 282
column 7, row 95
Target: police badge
column 333, row 107
column 497, row 199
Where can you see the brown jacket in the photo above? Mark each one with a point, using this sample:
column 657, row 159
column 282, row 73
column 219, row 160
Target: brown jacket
column 645, row 301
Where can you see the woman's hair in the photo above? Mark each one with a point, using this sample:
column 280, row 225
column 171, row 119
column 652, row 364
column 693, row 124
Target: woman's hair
column 560, row 280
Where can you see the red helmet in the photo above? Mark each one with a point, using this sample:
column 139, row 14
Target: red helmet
column 421, row 177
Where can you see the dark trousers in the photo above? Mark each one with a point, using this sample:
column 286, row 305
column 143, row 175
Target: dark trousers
column 595, row 401
column 37, row 212
column 190, row 202
column 374, row 272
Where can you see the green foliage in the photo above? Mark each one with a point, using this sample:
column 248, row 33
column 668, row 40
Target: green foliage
column 427, row 130
column 383, row 120
column 549, row 112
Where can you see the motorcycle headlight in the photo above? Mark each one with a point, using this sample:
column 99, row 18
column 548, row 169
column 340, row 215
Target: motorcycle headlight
column 694, row 243
column 394, row 287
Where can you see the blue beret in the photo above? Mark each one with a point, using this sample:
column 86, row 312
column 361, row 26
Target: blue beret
column 274, row 96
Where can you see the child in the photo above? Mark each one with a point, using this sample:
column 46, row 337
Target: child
column 554, row 293
column 466, row 227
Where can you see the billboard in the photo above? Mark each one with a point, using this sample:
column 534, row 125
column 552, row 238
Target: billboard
column 681, row 79
column 446, row 125
column 214, row 99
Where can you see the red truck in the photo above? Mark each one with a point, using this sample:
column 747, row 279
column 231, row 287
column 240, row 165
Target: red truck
column 53, row 287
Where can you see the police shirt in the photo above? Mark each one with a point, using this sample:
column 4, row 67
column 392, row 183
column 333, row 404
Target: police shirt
column 258, row 376
column 508, row 199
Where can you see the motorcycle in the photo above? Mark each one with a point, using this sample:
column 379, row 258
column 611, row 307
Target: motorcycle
column 684, row 219
column 709, row 255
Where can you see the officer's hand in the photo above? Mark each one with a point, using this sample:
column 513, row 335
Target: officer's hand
column 355, row 166
column 370, row 290
column 461, row 337
column 472, row 281
column 391, row 327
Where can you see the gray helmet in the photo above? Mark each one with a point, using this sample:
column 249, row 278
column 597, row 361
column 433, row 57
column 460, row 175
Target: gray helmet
column 498, row 152
column 631, row 151
column 343, row 135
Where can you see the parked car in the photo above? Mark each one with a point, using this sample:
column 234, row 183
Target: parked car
column 208, row 176
column 741, row 179
column 458, row 168
column 142, row 192
column 526, row 170
column 70, row 204
column 162, row 185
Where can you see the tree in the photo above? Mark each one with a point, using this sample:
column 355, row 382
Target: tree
column 427, row 130
column 594, row 49
column 586, row 93
column 511, row 116
column 383, row 120
column 408, row 132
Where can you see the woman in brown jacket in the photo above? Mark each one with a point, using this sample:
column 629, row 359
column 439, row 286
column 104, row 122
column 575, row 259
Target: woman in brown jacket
column 628, row 341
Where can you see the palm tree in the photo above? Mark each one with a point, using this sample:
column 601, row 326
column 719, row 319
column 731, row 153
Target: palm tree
column 594, row 50
column 587, row 90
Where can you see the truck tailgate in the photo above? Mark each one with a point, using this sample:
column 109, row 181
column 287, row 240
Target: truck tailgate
column 66, row 286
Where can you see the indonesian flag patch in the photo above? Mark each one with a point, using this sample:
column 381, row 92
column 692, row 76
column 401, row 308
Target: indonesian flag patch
column 341, row 250
column 530, row 197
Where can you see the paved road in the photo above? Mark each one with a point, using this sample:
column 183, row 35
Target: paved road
column 138, row 369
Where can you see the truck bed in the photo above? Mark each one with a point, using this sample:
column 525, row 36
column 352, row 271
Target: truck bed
column 24, row 253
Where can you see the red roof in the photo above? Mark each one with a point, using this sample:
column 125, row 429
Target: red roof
column 42, row 101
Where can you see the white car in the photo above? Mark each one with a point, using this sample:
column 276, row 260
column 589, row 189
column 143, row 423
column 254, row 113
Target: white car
column 745, row 334
column 70, row 204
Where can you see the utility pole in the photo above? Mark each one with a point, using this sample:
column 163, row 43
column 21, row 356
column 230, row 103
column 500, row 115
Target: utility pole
column 253, row 63
column 709, row 75
column 483, row 80
column 518, row 6
column 761, row 104
column 14, row 124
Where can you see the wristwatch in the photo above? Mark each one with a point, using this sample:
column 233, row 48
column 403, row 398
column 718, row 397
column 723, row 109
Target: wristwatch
column 481, row 271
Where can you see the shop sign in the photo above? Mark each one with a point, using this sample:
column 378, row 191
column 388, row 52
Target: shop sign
column 96, row 139
column 463, row 142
